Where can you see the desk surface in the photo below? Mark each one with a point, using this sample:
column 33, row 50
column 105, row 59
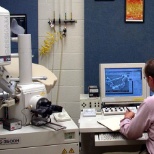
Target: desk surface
column 90, row 124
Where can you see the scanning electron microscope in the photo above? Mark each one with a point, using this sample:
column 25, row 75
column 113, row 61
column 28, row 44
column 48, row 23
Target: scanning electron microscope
column 28, row 120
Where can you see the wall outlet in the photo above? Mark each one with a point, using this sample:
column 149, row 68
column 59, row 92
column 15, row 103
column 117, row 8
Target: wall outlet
column 87, row 102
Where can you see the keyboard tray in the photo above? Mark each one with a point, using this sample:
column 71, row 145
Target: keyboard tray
column 116, row 138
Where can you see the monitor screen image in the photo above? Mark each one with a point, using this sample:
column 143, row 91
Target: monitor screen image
column 122, row 82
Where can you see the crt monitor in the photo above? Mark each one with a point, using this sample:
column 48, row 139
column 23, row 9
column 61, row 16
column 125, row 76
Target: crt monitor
column 122, row 82
column 149, row 92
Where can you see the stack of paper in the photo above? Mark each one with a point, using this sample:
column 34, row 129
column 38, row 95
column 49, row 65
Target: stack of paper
column 113, row 123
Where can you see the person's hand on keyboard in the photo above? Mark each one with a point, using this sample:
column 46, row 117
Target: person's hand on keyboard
column 129, row 114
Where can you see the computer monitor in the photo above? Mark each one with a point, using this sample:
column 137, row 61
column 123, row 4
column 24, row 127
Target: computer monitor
column 122, row 82
column 149, row 92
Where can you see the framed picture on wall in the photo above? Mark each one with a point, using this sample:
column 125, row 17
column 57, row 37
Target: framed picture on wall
column 134, row 11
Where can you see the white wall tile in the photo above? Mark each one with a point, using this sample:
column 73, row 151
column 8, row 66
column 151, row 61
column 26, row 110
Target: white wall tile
column 67, row 93
column 50, row 1
column 71, row 83
column 70, row 77
column 48, row 13
column 78, row 1
column 42, row 1
column 71, row 44
column 69, row 61
column 76, row 14
column 40, row 41
column 76, row 29
column 44, row 27
column 74, row 44
column 44, row 60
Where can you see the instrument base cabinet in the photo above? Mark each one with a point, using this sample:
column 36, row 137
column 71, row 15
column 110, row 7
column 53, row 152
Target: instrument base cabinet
column 72, row 148
column 41, row 140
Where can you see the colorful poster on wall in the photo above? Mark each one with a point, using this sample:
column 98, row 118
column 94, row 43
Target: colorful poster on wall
column 134, row 11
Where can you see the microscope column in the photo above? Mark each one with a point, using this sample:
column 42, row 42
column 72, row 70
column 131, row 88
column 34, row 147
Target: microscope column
column 25, row 59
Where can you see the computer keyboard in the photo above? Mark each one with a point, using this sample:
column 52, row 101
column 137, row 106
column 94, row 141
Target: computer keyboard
column 116, row 138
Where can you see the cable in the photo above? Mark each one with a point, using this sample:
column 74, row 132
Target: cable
column 48, row 43
column 59, row 76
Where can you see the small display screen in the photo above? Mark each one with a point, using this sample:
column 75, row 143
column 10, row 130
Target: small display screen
column 21, row 21
column 120, row 82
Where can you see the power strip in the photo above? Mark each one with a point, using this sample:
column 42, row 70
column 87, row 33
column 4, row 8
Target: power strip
column 87, row 102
